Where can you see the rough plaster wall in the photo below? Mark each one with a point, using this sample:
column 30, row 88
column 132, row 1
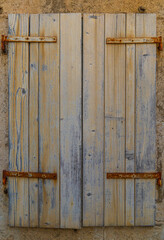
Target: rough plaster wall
column 112, row 6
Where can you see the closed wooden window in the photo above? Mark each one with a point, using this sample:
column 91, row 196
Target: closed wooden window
column 81, row 108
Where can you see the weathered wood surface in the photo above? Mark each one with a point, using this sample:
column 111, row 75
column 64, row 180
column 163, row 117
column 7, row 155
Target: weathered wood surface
column 18, row 120
column 130, row 118
column 114, row 121
column 45, row 120
column 145, row 120
column 93, row 119
column 49, row 121
column 33, row 122
column 70, row 121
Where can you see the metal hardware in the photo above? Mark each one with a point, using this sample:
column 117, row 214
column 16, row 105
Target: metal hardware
column 26, row 39
column 28, row 175
column 128, row 175
column 135, row 40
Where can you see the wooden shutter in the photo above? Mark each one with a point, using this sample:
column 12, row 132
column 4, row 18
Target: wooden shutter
column 45, row 121
column 118, row 120
column 81, row 120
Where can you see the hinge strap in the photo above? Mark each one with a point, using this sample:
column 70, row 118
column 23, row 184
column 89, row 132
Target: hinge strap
column 26, row 39
column 136, row 40
column 127, row 175
column 42, row 175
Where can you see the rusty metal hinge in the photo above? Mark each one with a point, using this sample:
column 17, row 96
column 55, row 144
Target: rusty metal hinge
column 27, row 39
column 28, row 175
column 135, row 40
column 127, row 175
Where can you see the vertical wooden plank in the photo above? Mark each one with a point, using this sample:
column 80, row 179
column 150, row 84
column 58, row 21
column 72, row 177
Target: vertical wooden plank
column 49, row 121
column 93, row 119
column 18, row 120
column 114, row 120
column 33, row 122
column 13, row 27
column 130, row 117
column 145, row 119
column 70, row 120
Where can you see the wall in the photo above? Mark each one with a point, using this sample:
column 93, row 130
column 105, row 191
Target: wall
column 111, row 6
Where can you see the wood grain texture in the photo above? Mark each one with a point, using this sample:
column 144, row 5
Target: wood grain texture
column 49, row 121
column 114, row 120
column 70, row 120
column 45, row 120
column 93, row 119
column 145, row 119
column 130, row 118
column 18, row 120
column 33, row 122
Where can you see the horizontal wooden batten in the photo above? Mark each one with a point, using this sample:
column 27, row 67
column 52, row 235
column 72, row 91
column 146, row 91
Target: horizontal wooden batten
column 28, row 175
column 135, row 40
column 123, row 175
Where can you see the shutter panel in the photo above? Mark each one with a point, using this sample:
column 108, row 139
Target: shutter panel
column 49, row 121
column 145, row 119
column 93, row 119
column 70, row 119
column 18, row 120
column 115, row 120
column 130, row 118
column 123, row 150
column 48, row 88
column 38, row 103
column 130, row 93
column 33, row 122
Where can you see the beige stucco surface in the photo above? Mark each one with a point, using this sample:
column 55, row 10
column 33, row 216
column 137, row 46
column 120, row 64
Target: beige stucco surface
column 112, row 6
